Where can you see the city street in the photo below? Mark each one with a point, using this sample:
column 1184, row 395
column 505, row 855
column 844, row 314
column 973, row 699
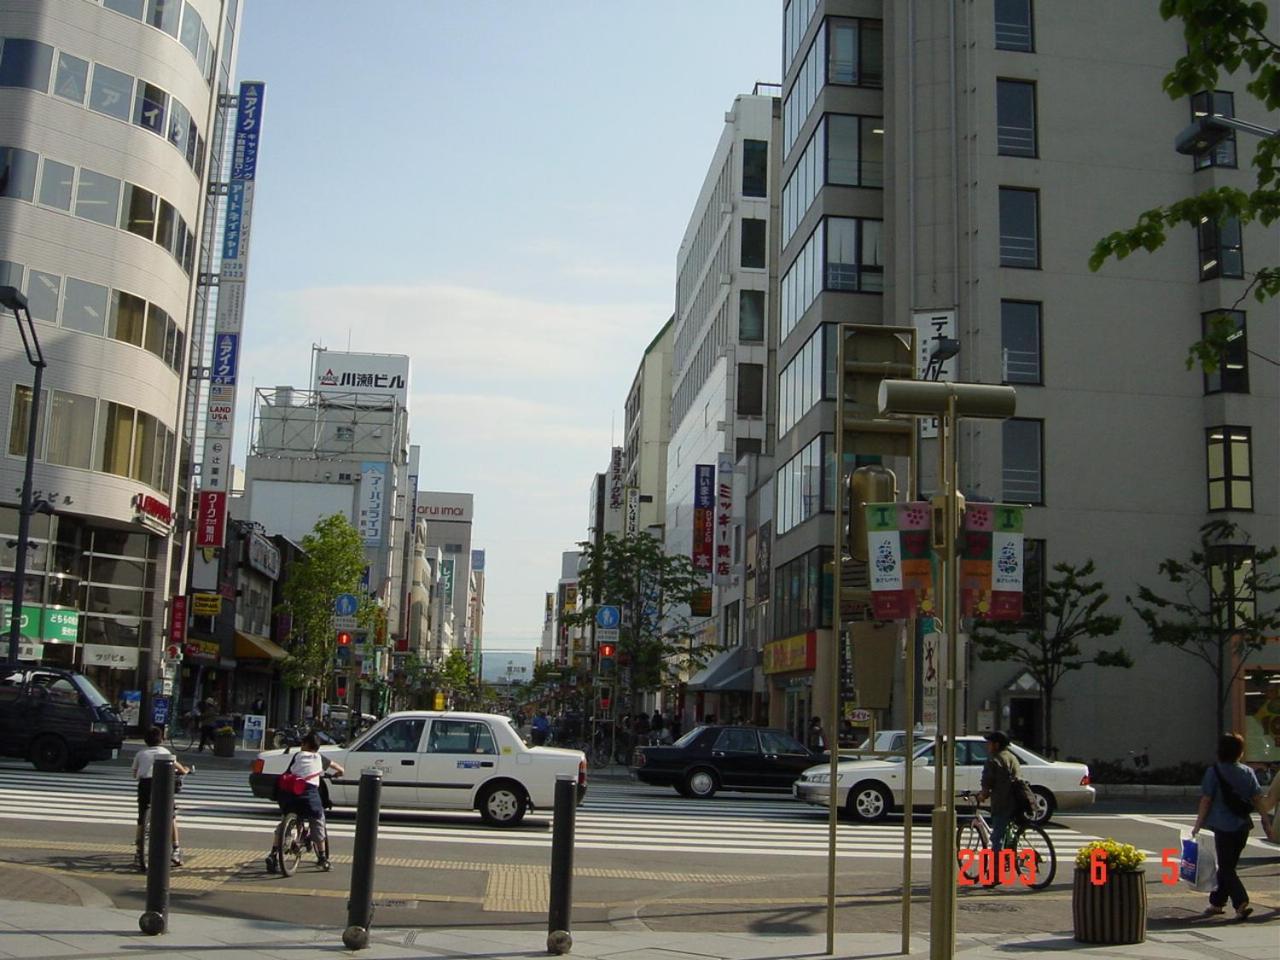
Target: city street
column 646, row 859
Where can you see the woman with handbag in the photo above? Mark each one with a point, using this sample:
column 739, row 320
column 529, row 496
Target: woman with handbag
column 298, row 791
column 1229, row 792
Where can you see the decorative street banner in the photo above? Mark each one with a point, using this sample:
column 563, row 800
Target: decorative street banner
column 991, row 563
column 724, row 519
column 899, row 547
column 704, row 528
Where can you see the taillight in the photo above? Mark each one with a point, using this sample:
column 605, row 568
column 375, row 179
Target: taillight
column 257, row 766
column 582, row 773
column 638, row 760
column 1084, row 781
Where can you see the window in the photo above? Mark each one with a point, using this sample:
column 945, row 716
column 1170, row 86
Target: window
column 138, row 211
column 1221, row 249
column 1019, row 228
column 751, row 315
column 855, row 54
column 144, row 447
column 1223, row 104
column 1013, row 26
column 807, row 378
column 43, row 293
column 737, row 740
column 460, row 736
column 166, row 225
column 1015, row 118
column 130, row 8
column 741, row 447
column 17, row 173
column 855, row 150
column 180, row 127
column 804, row 90
column 56, row 181
column 149, row 108
column 753, row 243
column 398, row 736
column 157, row 322
column 71, row 429
column 855, row 259
column 20, row 423
column 164, row 14
column 750, row 389
column 84, row 306
column 1035, row 573
column 777, row 742
column 1232, row 584
column 128, row 318
column 71, row 81
column 25, row 63
column 798, row 487
column 755, row 168
column 1232, row 375
column 98, row 197
column 1020, row 344
column 795, row 21
column 1230, row 468
column 802, row 593
column 1023, row 461
column 111, row 93
column 190, row 33
column 802, row 281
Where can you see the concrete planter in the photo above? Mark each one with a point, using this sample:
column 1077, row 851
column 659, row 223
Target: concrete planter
column 1111, row 912
column 224, row 744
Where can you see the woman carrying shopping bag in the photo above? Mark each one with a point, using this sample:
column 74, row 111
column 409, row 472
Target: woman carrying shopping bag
column 1229, row 792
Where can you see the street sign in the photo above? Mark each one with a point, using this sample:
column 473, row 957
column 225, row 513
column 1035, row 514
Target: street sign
column 344, row 623
column 860, row 716
column 606, row 636
column 345, row 605
column 608, row 617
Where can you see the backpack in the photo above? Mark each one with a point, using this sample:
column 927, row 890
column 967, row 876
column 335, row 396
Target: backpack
column 290, row 784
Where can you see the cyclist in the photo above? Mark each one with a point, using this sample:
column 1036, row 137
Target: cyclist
column 144, row 762
column 998, row 774
column 308, row 765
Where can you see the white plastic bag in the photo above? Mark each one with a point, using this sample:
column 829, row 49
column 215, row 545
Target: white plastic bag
column 1206, row 864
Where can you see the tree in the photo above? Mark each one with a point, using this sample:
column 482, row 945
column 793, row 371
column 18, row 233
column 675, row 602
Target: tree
column 331, row 563
column 652, row 589
column 1072, row 612
column 455, row 676
column 1213, row 615
column 1220, row 34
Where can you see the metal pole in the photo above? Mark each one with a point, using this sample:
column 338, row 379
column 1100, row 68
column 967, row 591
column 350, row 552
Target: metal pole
column 833, row 711
column 908, row 760
column 364, row 858
column 155, row 919
column 24, row 518
column 559, row 939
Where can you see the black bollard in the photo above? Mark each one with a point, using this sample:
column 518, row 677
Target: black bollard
column 363, row 860
column 559, row 940
column 155, row 919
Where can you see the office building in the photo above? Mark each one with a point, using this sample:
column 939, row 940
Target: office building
column 648, row 432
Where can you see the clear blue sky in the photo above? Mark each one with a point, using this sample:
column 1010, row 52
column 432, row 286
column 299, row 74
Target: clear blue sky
column 498, row 189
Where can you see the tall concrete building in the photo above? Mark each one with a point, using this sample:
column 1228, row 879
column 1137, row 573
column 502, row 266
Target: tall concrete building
column 955, row 163
column 107, row 116
column 448, row 517
column 648, row 432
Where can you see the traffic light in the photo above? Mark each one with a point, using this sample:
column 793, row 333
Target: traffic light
column 608, row 654
column 344, row 638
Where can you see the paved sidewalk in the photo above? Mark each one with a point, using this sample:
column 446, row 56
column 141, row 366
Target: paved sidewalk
column 45, row 930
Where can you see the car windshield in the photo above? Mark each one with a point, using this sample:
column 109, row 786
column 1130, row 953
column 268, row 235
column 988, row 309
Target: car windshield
column 689, row 737
column 90, row 692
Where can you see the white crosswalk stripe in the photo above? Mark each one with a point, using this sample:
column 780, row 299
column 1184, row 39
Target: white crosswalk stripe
column 614, row 816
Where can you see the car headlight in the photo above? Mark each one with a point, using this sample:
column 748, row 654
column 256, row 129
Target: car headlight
column 98, row 727
column 819, row 778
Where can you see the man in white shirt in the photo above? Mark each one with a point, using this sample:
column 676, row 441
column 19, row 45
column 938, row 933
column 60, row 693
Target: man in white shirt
column 144, row 762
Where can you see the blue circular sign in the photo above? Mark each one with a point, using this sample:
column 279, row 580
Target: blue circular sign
column 608, row 617
column 345, row 604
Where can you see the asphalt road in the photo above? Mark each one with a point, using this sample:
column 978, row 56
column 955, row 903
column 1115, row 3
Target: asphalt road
column 645, row 859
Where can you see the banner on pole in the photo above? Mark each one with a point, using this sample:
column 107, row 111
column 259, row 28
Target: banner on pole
column 991, row 563
column 899, row 548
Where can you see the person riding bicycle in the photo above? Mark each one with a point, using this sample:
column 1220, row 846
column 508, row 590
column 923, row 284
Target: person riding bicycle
column 308, row 765
column 998, row 775
column 144, row 762
column 208, row 720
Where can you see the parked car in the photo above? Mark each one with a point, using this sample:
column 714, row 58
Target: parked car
column 55, row 718
column 870, row 789
column 720, row 757
column 443, row 761
column 886, row 741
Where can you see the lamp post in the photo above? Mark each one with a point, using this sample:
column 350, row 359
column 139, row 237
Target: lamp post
column 1206, row 132
column 949, row 402
column 11, row 298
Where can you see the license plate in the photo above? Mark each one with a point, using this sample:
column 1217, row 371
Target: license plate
column 115, row 754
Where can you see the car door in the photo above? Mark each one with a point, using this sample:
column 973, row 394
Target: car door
column 459, row 755
column 923, row 776
column 736, row 758
column 394, row 747
column 971, row 757
column 784, row 758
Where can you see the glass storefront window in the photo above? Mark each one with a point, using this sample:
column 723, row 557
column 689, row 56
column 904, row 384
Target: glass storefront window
column 1262, row 713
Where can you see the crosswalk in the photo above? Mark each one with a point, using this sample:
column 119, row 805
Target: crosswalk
column 614, row 817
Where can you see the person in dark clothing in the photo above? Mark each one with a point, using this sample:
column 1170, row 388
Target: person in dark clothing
column 998, row 774
column 541, row 729
column 208, row 722
column 657, row 723
column 1228, row 792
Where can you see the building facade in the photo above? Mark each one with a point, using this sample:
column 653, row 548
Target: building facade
column 648, row 432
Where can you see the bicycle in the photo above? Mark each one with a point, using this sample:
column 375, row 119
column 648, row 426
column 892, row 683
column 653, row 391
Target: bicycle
column 142, row 842
column 184, row 733
column 1032, row 860
column 295, row 840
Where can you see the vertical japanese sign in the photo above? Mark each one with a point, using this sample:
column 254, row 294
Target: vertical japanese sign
column 211, row 518
column 704, row 503
column 615, row 479
column 373, row 502
column 991, row 564
column 724, row 519
column 177, row 625
column 899, row 549
column 932, row 327
column 446, row 580
column 632, row 524
column 550, row 609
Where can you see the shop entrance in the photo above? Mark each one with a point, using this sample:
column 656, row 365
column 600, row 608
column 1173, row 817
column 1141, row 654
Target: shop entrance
column 799, row 708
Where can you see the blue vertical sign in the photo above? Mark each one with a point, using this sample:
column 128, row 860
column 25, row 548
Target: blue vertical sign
column 224, row 358
column 244, row 158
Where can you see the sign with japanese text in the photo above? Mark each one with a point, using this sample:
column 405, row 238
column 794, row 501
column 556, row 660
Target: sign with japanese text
column 704, row 503
column 115, row 658
column 900, row 561
column 724, row 520
column 446, row 580
column 244, row 156
column 991, row 562
column 153, row 511
column 791, row 653
column 50, row 624
column 224, row 358
column 211, row 518
column 206, row 604
column 373, row 502
column 364, row 379
column 615, row 479
column 177, row 620
column 631, row 525
column 932, row 327
column 264, row 556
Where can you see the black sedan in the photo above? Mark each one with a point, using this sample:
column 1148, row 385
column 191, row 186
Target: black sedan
column 711, row 758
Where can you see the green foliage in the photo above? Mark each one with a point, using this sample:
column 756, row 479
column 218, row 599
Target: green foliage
column 1221, row 35
column 1193, row 616
column 1072, row 612
column 455, row 676
column 332, row 563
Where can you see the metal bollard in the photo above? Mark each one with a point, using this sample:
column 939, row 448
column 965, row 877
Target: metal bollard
column 155, row 919
column 363, row 860
column 559, row 940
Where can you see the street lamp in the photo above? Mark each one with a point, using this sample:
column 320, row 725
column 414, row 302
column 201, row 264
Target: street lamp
column 1206, row 132
column 11, row 298
column 948, row 402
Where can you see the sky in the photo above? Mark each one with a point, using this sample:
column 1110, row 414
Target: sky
column 498, row 189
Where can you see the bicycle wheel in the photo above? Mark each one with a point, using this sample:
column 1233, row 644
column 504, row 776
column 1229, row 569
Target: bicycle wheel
column 144, row 844
column 1035, row 859
column 969, row 847
column 290, row 844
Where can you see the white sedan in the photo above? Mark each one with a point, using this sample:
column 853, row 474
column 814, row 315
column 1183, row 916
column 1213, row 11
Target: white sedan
column 443, row 761
column 869, row 789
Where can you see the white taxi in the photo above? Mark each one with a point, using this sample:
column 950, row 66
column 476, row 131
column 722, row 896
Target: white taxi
column 443, row 761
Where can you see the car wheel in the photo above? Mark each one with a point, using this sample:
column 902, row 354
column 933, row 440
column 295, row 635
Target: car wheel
column 869, row 801
column 1045, row 806
column 75, row 766
column 50, row 753
column 502, row 804
column 701, row 783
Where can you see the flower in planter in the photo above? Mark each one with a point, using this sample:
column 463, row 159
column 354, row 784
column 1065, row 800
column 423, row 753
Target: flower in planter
column 1120, row 856
column 224, row 731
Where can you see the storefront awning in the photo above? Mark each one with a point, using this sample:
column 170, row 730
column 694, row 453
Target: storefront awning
column 250, row 646
column 727, row 670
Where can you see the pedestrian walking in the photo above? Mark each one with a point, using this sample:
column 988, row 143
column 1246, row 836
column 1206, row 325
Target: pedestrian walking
column 541, row 729
column 208, row 723
column 144, row 763
column 1229, row 792
column 817, row 737
column 998, row 775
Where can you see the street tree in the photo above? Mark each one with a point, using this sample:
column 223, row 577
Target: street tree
column 1220, row 35
column 652, row 589
column 331, row 563
column 1051, row 648
column 456, row 679
column 1216, row 609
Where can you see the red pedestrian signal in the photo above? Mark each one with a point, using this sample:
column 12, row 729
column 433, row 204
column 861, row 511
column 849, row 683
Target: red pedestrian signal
column 607, row 652
column 344, row 639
